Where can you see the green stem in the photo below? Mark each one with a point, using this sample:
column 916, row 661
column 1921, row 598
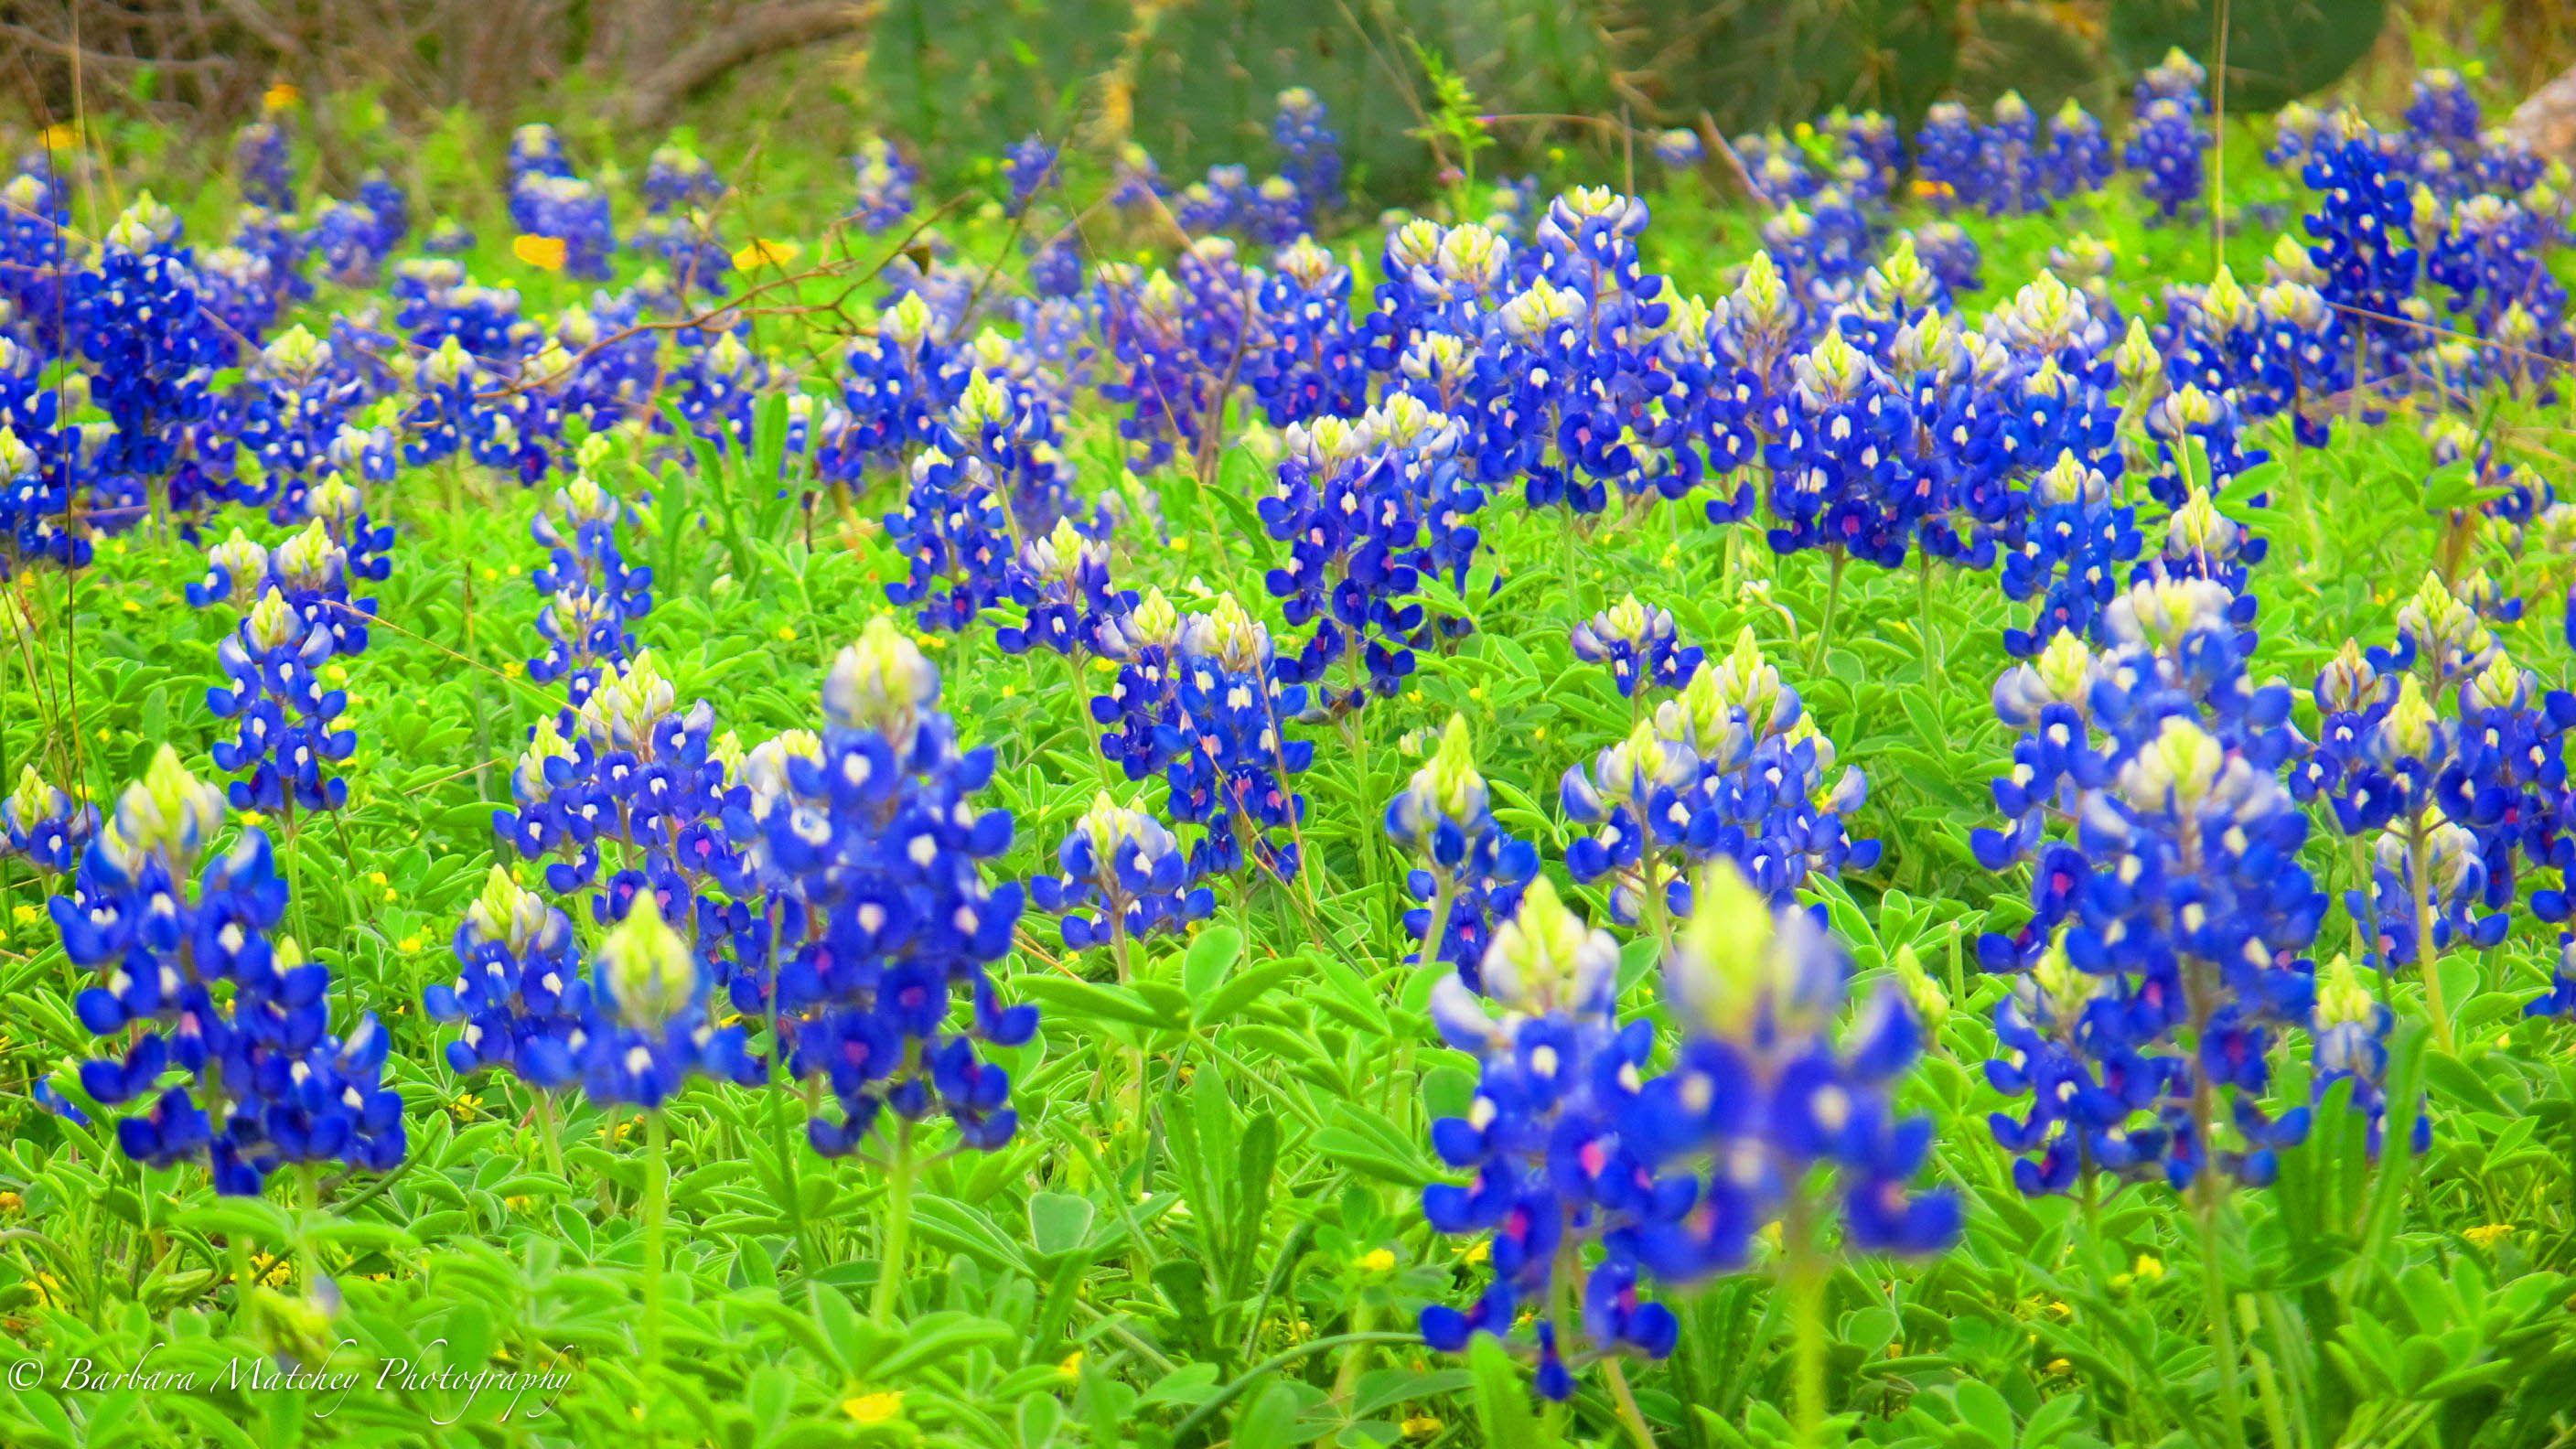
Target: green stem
column 1626, row 1398
column 1833, row 605
column 550, row 1133
column 898, row 1228
column 2267, row 1386
column 657, row 1203
column 2419, row 853
column 2213, row 1278
column 1923, row 610
column 1804, row 1279
column 308, row 1196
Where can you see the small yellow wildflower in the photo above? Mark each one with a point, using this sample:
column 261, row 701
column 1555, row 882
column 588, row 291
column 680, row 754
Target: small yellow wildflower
column 280, row 96
column 765, row 253
column 1478, row 1251
column 129, row 606
column 1377, row 1260
column 513, row 669
column 1072, row 1365
column 787, row 632
column 26, row 914
column 1010, row 691
column 874, row 1408
column 2149, row 1266
column 10, row 1202
column 375, row 877
column 465, row 1107
column 546, row 253
column 1419, row 1426
column 408, row 945
column 2489, row 1235
column 336, row 673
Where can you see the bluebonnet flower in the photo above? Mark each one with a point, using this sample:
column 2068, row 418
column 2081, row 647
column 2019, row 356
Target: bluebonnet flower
column 536, row 149
column 35, row 257
column 238, row 293
column 716, row 387
column 1230, row 764
column 678, row 179
column 1762, row 1094
column 2069, row 559
column 1679, row 148
column 902, row 375
column 1951, row 255
column 1823, row 247
column 2349, row 1042
column 687, row 246
column 286, row 722
column 1640, row 645
column 1029, row 167
column 995, row 476
column 2164, row 944
column 572, row 211
column 876, row 857
column 2011, row 176
column 1171, row 344
column 593, row 596
column 288, row 411
column 282, row 248
column 1063, row 579
column 1576, row 397
column 181, row 940
column 519, row 990
column 1143, row 703
column 263, row 166
column 2364, row 245
column 1838, row 478
column 1553, row 1173
column 1312, row 360
column 1946, row 154
column 2077, row 159
column 1731, row 767
column 448, row 237
column 135, row 312
column 1347, row 507
column 2166, row 137
column 1310, row 154
column 351, row 243
column 1872, row 139
column 386, row 202
column 2442, row 112
column 458, row 406
column 2489, row 258
column 648, row 1030
column 43, row 826
column 2560, row 998
column 884, row 181
column 38, row 472
column 1135, row 179
column 1468, row 872
column 1125, row 878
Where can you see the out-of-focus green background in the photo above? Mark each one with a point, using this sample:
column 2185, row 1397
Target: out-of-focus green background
column 1191, row 80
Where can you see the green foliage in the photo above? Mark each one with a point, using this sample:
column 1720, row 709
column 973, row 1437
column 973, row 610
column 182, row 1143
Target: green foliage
column 2276, row 50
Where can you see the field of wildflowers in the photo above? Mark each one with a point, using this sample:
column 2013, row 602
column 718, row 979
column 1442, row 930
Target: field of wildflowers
column 1899, row 783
